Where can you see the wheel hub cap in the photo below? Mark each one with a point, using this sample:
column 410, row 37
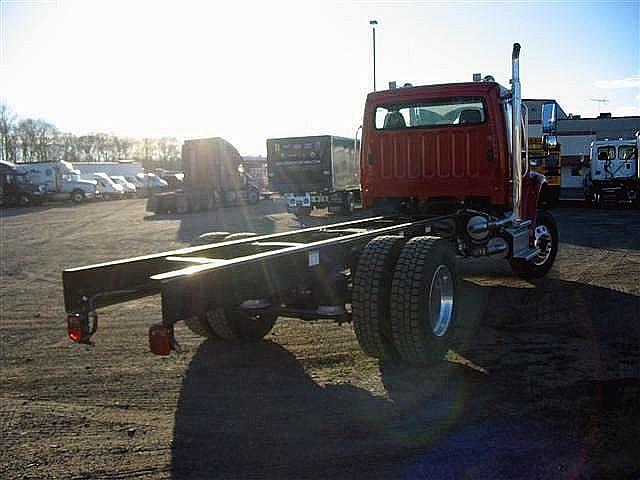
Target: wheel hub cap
column 440, row 296
column 543, row 242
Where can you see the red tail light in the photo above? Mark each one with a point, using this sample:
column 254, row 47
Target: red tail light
column 160, row 339
column 74, row 324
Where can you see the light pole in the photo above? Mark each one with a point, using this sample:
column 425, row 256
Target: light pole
column 373, row 23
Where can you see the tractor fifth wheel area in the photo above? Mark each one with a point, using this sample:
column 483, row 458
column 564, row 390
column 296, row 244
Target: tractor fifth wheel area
column 444, row 176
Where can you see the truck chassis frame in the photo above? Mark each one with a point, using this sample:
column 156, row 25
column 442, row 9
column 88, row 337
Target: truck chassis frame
column 303, row 273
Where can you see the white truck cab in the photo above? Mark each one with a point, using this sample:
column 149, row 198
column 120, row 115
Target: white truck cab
column 108, row 189
column 614, row 170
column 61, row 180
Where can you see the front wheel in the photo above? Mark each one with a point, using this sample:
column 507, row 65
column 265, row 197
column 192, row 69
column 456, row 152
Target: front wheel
column 349, row 204
column 77, row 196
column 546, row 240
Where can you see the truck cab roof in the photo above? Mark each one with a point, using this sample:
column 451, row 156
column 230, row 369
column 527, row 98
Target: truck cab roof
column 444, row 90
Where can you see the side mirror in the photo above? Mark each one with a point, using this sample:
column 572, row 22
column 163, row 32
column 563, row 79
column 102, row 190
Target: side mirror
column 549, row 118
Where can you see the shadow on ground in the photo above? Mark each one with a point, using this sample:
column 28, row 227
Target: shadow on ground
column 613, row 227
column 18, row 211
column 267, row 216
column 545, row 384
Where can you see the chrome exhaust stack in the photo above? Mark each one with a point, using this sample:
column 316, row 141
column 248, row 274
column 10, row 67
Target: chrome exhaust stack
column 516, row 133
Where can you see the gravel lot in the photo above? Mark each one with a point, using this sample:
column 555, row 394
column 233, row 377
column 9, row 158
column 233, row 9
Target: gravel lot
column 544, row 381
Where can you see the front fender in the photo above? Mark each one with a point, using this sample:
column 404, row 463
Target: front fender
column 532, row 186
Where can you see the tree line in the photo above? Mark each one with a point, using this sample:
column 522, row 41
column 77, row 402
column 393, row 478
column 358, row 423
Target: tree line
column 24, row 140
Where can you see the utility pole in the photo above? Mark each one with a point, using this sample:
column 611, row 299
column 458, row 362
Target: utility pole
column 373, row 23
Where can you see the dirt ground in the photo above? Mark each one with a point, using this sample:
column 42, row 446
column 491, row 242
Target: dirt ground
column 544, row 381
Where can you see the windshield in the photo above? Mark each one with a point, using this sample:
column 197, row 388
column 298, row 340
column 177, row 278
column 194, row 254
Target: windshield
column 105, row 180
column 606, row 153
column 627, row 152
column 466, row 111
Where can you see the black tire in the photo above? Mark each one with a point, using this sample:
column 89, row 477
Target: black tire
column 237, row 327
column 77, row 196
column 370, row 301
column 24, row 200
column 200, row 326
column 588, row 199
column 253, row 196
column 530, row 270
column 426, row 265
column 349, row 204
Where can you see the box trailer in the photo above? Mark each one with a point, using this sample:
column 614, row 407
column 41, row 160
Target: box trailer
column 213, row 177
column 315, row 172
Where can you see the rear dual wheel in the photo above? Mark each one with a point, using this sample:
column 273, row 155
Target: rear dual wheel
column 370, row 298
column 404, row 299
column 423, row 300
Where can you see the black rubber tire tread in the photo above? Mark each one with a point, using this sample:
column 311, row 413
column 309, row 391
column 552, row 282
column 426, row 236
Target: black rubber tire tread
column 370, row 302
column 73, row 196
column 529, row 270
column 200, row 327
column 412, row 334
column 253, row 197
column 238, row 328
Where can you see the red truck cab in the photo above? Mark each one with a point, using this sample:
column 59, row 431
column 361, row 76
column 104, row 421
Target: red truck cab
column 437, row 142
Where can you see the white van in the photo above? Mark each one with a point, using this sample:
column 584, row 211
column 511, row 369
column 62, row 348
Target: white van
column 129, row 188
column 109, row 190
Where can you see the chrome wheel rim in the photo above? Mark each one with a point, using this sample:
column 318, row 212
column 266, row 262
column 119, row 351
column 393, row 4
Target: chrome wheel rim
column 544, row 243
column 440, row 298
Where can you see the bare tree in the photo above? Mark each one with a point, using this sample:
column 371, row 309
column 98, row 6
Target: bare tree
column 7, row 133
column 45, row 135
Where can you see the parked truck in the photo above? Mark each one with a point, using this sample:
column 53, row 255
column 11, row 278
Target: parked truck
column 213, row 177
column 614, row 173
column 444, row 175
column 61, row 179
column 16, row 190
column 315, row 172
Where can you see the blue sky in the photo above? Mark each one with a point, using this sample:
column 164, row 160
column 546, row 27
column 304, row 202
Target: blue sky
column 252, row 70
